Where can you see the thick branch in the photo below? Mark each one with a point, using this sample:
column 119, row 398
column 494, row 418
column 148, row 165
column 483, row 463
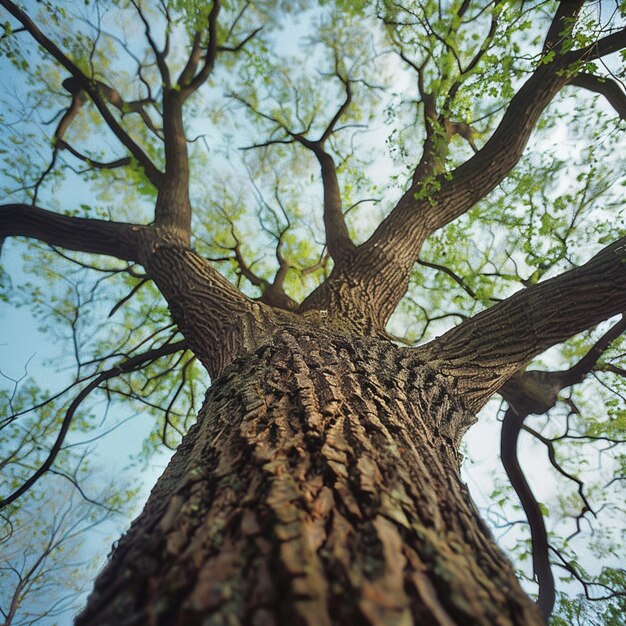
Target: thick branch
column 562, row 23
column 337, row 236
column 82, row 234
column 607, row 87
column 392, row 250
column 338, row 240
column 173, row 206
column 607, row 45
column 192, row 61
column 536, row 392
column 540, row 548
column 217, row 320
column 482, row 353
column 211, row 52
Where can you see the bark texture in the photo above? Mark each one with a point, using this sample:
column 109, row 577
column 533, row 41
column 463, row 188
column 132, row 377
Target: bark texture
column 319, row 486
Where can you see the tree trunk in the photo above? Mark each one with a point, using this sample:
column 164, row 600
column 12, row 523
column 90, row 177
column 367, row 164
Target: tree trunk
column 319, row 486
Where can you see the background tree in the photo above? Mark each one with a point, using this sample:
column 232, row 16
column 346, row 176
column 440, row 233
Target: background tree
column 44, row 570
column 321, row 481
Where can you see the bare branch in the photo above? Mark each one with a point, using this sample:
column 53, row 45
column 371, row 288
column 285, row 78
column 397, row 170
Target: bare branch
column 116, row 239
column 110, row 165
column 511, row 426
column 242, row 43
column 90, row 87
column 114, row 98
column 159, row 55
column 537, row 392
column 340, row 112
column 577, row 373
column 455, row 277
column 129, row 365
column 605, row 86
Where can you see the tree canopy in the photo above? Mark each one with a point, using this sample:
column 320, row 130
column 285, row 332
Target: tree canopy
column 434, row 157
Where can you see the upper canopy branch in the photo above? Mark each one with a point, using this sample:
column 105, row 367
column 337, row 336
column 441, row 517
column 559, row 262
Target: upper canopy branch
column 562, row 24
column 117, row 239
column 598, row 49
column 338, row 240
column 159, row 55
column 189, row 80
column 485, row 351
column 427, row 206
column 89, row 86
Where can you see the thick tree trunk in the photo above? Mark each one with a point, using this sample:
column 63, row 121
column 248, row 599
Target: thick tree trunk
column 320, row 485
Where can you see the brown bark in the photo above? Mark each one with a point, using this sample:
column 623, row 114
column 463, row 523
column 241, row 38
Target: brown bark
column 486, row 350
column 173, row 207
column 116, row 239
column 319, row 486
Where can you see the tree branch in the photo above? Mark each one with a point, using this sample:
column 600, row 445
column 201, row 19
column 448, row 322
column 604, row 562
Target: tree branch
column 117, row 239
column 537, row 392
column 562, row 24
column 90, row 87
column 129, row 365
column 605, row 86
column 384, row 262
column 211, row 53
column 578, row 372
column 110, row 165
column 159, row 55
column 607, row 45
column 484, row 352
column 338, row 240
column 511, row 426
column 340, row 245
column 114, row 98
column 173, row 206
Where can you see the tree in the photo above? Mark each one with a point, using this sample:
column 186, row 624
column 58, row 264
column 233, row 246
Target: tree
column 321, row 482
column 42, row 569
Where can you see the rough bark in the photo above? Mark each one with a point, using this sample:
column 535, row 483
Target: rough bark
column 319, row 486
column 116, row 239
column 486, row 350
